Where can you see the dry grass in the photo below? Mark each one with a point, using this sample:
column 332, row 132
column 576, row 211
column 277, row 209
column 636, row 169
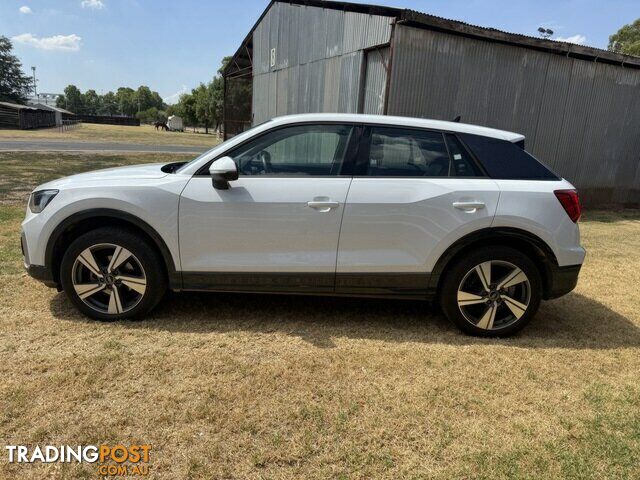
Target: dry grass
column 241, row 386
column 22, row 171
column 145, row 134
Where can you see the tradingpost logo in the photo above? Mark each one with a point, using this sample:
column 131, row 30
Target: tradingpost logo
column 117, row 460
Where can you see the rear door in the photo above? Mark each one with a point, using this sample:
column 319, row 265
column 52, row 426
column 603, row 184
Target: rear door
column 414, row 193
column 277, row 226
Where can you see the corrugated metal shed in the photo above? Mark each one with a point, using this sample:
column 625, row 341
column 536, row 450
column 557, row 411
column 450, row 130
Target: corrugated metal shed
column 578, row 106
column 578, row 116
column 309, row 59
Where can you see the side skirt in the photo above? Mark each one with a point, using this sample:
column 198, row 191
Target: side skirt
column 382, row 285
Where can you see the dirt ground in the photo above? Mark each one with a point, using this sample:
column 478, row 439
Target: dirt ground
column 252, row 386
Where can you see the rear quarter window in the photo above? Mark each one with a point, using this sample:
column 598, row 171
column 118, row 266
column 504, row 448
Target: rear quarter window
column 505, row 160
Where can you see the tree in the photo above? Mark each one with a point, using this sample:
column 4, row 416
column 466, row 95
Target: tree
column 14, row 84
column 91, row 102
column 127, row 104
column 71, row 100
column 108, row 105
column 151, row 115
column 627, row 39
column 204, row 104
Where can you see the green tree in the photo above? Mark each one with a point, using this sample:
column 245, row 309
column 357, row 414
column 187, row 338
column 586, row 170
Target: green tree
column 127, row 104
column 151, row 115
column 157, row 101
column 204, row 104
column 627, row 39
column 14, row 84
column 108, row 104
column 91, row 102
column 186, row 109
column 72, row 100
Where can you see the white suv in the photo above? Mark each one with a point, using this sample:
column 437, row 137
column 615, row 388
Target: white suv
column 329, row 204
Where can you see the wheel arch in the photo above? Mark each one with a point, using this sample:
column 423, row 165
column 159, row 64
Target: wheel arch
column 81, row 222
column 528, row 243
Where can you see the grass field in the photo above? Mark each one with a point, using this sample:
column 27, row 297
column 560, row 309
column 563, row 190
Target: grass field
column 242, row 386
column 144, row 134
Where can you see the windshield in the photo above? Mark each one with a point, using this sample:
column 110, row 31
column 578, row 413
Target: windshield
column 246, row 133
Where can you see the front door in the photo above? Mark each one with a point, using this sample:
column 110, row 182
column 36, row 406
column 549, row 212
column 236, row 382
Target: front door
column 277, row 226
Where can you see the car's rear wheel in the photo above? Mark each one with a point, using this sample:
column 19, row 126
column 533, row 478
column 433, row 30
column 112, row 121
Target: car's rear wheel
column 112, row 274
column 494, row 291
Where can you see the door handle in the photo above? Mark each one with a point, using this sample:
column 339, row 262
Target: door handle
column 323, row 205
column 470, row 207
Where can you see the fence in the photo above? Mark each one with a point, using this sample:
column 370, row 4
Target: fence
column 67, row 125
column 109, row 120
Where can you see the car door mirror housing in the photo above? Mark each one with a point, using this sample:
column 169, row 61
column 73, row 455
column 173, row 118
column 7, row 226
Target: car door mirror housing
column 223, row 171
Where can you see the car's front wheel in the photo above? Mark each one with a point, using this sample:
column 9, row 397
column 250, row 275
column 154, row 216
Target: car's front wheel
column 494, row 291
column 112, row 273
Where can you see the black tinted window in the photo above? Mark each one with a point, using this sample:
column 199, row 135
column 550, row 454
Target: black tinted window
column 407, row 153
column 462, row 165
column 502, row 159
column 296, row 150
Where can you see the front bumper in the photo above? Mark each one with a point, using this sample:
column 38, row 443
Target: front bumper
column 561, row 281
column 42, row 274
column 39, row 272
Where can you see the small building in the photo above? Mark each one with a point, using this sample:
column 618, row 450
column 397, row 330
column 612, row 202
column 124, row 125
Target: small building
column 174, row 123
column 578, row 106
column 13, row 115
column 60, row 113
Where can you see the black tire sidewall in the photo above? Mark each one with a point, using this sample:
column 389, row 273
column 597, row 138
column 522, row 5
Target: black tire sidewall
column 461, row 266
column 138, row 246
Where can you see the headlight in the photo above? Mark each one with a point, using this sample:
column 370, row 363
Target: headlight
column 40, row 199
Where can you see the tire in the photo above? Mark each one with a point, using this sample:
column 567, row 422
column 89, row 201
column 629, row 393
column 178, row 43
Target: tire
column 107, row 288
column 499, row 310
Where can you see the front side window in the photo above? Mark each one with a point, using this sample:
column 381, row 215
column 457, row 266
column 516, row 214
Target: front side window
column 296, row 150
column 398, row 152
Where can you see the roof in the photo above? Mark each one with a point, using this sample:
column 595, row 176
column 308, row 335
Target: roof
column 16, row 106
column 455, row 27
column 52, row 108
column 399, row 121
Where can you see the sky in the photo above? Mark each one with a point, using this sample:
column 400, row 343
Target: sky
column 173, row 45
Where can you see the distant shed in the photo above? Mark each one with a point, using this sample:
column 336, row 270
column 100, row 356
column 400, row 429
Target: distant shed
column 578, row 106
column 60, row 113
column 25, row 117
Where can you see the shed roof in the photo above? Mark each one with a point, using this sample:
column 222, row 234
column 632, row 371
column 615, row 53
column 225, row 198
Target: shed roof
column 52, row 108
column 241, row 60
column 16, row 106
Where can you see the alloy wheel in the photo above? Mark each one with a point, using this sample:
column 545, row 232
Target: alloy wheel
column 494, row 294
column 109, row 278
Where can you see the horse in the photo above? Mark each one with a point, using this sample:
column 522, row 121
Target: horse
column 161, row 125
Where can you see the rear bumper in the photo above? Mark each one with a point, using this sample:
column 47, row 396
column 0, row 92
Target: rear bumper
column 561, row 281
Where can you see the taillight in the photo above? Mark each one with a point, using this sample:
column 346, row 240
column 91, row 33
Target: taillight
column 570, row 202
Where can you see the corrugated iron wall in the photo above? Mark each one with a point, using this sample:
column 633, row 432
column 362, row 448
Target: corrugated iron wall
column 375, row 80
column 581, row 118
column 319, row 55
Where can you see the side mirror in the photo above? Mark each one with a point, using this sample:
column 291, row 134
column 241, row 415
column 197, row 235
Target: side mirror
column 222, row 171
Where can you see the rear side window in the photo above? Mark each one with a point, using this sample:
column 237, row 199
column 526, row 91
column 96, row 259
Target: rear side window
column 397, row 152
column 462, row 165
column 505, row 160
